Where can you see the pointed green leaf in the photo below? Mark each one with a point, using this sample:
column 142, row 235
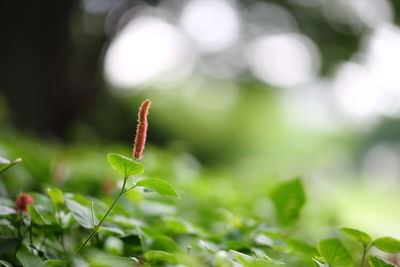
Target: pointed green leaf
column 375, row 261
column 334, row 253
column 6, row 264
column 124, row 165
column 357, row 235
column 209, row 246
column 250, row 261
column 289, row 199
column 387, row 244
column 164, row 243
column 56, row 195
column 302, row 247
column 317, row 263
column 80, row 213
column 28, row 259
column 158, row 185
column 36, row 216
column 157, row 255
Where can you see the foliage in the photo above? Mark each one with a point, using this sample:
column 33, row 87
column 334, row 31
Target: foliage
column 148, row 227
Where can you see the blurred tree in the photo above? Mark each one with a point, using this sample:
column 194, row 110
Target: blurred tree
column 44, row 90
column 50, row 68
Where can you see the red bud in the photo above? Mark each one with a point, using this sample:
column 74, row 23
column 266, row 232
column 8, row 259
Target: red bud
column 23, row 200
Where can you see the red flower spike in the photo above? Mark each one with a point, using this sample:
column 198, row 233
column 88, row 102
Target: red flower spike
column 23, row 200
column 141, row 130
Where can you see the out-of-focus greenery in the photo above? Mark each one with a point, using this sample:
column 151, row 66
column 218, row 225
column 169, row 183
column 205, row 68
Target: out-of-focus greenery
column 261, row 179
column 221, row 204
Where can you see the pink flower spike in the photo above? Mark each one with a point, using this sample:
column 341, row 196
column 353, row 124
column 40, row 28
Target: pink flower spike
column 141, row 130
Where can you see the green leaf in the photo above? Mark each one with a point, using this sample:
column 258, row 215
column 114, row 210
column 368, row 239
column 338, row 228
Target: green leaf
column 124, row 165
column 80, row 213
column 375, row 261
column 250, row 261
column 334, row 253
column 110, row 229
column 36, row 216
column 164, row 243
column 56, row 195
column 56, row 263
column 158, row 185
column 289, row 199
column 6, row 210
column 387, row 244
column 317, row 263
column 209, row 246
column 6, row 264
column 158, row 255
column 357, row 235
column 302, row 247
column 28, row 259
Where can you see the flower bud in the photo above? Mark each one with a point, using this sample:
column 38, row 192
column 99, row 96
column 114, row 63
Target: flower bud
column 23, row 200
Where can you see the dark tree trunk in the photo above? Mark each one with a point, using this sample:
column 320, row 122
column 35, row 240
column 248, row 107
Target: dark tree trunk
column 39, row 76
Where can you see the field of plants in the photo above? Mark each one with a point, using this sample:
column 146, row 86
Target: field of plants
column 102, row 206
column 200, row 133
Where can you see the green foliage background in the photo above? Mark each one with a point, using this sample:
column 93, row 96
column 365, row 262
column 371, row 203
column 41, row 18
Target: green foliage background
column 257, row 185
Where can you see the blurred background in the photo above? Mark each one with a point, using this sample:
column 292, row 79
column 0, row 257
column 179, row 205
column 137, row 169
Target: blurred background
column 245, row 93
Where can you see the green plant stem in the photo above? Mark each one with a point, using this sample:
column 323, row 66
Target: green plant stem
column 31, row 239
column 364, row 255
column 19, row 235
column 30, row 235
column 10, row 165
column 97, row 227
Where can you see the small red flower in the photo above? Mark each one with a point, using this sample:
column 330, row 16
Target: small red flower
column 141, row 130
column 23, row 200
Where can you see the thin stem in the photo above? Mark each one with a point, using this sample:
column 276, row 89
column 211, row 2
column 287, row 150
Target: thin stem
column 31, row 239
column 97, row 227
column 19, row 225
column 62, row 242
column 30, row 234
column 364, row 255
column 19, row 235
column 14, row 162
column 129, row 189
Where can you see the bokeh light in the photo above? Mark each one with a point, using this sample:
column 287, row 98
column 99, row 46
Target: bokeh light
column 213, row 25
column 147, row 49
column 284, row 60
column 267, row 18
column 383, row 58
column 357, row 92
